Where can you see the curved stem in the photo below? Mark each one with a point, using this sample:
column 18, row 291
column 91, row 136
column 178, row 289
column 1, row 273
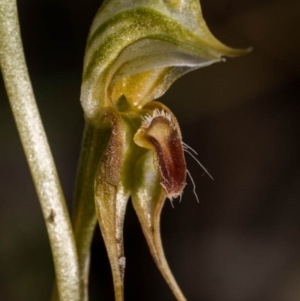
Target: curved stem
column 38, row 153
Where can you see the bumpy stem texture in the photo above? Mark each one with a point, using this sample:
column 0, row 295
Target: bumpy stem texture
column 38, row 153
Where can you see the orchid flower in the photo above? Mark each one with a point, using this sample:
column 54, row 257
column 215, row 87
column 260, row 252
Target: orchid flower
column 133, row 145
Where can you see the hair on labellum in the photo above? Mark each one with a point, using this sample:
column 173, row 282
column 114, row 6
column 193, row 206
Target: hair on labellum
column 192, row 153
column 148, row 118
column 160, row 131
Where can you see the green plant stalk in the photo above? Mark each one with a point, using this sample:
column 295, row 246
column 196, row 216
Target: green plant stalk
column 32, row 134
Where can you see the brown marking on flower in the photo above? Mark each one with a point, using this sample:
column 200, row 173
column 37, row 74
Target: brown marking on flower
column 112, row 160
column 160, row 132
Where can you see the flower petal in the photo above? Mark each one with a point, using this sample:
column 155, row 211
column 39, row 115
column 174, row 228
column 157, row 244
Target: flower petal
column 160, row 132
column 165, row 39
column 111, row 197
column 148, row 198
column 113, row 184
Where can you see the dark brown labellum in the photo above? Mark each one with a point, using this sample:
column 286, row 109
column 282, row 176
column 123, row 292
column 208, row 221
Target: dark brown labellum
column 160, row 132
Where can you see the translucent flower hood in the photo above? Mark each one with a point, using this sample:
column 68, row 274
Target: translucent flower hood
column 139, row 48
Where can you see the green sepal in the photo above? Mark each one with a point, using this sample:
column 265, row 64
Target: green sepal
column 84, row 218
column 113, row 183
column 155, row 42
column 148, row 198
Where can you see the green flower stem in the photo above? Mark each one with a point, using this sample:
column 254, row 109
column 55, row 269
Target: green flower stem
column 38, row 153
column 84, row 215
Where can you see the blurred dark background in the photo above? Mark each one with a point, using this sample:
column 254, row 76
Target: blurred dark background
column 241, row 242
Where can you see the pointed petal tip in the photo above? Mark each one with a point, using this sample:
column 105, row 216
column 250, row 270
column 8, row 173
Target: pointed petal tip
column 225, row 51
column 234, row 52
